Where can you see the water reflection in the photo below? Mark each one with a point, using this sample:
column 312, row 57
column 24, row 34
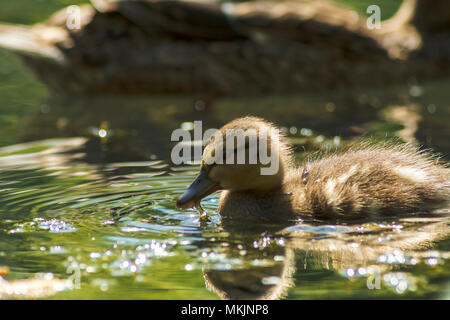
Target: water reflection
column 370, row 250
column 143, row 132
column 105, row 202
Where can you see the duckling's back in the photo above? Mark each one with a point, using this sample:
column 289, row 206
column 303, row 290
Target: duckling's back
column 370, row 180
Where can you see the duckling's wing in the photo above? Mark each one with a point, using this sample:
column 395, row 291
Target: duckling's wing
column 377, row 179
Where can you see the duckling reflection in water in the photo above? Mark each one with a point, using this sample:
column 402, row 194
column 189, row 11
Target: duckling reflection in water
column 308, row 249
column 363, row 181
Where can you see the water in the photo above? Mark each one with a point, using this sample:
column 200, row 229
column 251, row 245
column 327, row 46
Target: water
column 87, row 195
column 96, row 197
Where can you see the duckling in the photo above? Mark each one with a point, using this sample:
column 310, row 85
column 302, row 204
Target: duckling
column 362, row 181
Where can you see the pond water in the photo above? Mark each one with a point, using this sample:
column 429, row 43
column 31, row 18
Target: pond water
column 87, row 193
column 92, row 194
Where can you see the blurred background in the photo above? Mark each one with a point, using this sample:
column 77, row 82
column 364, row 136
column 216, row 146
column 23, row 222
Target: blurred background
column 86, row 181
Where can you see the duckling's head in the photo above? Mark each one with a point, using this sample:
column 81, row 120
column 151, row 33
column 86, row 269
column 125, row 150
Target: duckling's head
column 247, row 154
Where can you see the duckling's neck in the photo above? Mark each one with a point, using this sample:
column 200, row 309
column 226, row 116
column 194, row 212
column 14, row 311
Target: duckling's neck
column 274, row 203
column 286, row 169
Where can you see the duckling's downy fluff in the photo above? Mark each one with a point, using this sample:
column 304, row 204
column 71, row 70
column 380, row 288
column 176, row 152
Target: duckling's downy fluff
column 364, row 180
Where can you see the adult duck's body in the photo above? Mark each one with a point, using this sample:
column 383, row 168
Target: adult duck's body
column 211, row 48
column 364, row 180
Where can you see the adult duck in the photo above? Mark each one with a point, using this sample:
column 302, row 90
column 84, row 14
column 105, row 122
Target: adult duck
column 213, row 48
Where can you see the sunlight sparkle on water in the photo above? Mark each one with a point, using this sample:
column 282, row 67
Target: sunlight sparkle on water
column 102, row 133
column 350, row 272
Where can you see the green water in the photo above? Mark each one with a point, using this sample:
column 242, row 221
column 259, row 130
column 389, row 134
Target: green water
column 87, row 192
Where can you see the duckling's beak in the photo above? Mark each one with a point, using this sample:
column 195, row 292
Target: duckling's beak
column 200, row 188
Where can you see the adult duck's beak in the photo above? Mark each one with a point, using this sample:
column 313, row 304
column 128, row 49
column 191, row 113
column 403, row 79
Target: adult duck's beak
column 200, row 188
